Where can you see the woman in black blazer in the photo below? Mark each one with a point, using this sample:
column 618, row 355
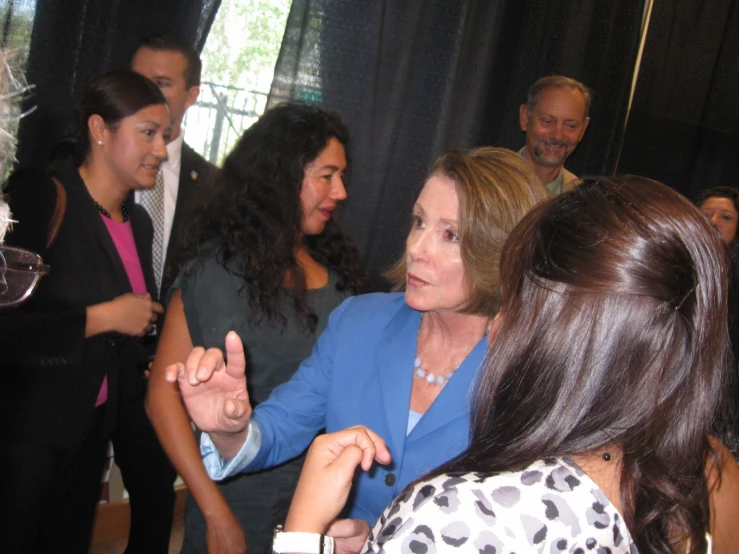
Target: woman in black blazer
column 75, row 351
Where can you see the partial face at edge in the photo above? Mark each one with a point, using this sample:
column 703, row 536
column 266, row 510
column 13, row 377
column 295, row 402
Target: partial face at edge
column 435, row 279
column 723, row 216
column 323, row 187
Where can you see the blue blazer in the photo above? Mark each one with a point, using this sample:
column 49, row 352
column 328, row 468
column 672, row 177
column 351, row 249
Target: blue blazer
column 360, row 373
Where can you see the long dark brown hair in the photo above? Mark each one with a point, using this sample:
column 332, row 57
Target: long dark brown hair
column 251, row 218
column 613, row 332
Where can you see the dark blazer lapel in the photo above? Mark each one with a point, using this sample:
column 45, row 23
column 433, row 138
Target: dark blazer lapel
column 394, row 358
column 457, row 393
column 195, row 173
column 143, row 236
column 188, row 180
column 191, row 177
column 81, row 209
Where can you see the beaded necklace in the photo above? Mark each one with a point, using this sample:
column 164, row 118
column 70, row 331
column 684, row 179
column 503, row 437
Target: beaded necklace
column 440, row 380
column 430, row 377
column 106, row 213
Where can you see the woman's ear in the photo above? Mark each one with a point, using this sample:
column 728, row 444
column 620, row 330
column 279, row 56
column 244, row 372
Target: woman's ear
column 494, row 326
column 97, row 127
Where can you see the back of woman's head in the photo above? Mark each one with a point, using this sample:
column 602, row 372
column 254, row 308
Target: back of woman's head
column 496, row 188
column 613, row 332
column 113, row 95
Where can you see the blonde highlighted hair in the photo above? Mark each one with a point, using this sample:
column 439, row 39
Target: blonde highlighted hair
column 496, row 188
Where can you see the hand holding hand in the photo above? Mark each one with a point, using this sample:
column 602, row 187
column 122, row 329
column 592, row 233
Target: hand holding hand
column 214, row 393
column 134, row 314
column 326, row 479
column 349, row 535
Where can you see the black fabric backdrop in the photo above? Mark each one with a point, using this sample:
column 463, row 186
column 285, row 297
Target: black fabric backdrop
column 683, row 129
column 74, row 40
column 415, row 78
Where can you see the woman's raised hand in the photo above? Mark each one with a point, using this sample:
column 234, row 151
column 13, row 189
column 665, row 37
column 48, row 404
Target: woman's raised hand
column 326, row 479
column 214, row 393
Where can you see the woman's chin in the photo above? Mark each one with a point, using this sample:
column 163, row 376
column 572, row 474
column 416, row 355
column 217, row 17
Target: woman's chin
column 415, row 300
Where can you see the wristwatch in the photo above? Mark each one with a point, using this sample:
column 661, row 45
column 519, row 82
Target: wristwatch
column 305, row 543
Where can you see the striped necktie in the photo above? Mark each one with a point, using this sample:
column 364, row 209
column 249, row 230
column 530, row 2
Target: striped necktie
column 153, row 202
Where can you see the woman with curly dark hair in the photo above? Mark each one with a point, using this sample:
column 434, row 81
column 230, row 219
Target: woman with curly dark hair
column 266, row 258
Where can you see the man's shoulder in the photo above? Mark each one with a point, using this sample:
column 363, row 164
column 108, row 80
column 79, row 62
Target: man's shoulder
column 569, row 180
column 194, row 166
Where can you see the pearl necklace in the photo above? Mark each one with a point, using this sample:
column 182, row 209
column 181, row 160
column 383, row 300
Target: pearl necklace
column 432, row 378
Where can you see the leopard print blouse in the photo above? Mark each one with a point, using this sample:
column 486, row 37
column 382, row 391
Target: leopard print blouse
column 551, row 506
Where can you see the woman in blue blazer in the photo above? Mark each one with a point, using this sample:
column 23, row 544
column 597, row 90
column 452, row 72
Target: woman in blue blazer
column 400, row 363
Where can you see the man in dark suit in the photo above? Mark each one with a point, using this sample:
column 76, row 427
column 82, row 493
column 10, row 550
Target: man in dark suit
column 174, row 65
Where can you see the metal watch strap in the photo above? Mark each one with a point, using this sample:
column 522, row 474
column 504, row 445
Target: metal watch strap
column 304, row 543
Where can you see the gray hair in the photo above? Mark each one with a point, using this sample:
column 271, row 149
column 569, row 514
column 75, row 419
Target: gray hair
column 558, row 81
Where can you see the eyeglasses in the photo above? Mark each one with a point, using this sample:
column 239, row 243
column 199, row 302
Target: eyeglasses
column 20, row 272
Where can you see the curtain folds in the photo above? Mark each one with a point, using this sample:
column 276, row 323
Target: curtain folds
column 683, row 129
column 74, row 40
column 418, row 77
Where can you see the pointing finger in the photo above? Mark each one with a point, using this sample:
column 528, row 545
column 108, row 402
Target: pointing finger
column 236, row 361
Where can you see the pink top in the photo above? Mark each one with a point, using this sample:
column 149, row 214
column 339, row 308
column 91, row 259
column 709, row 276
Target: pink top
column 122, row 235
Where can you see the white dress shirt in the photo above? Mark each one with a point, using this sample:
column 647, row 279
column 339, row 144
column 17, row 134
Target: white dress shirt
column 171, row 178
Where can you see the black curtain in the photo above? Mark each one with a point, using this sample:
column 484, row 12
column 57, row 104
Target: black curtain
column 683, row 129
column 74, row 40
column 418, row 77
column 589, row 40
